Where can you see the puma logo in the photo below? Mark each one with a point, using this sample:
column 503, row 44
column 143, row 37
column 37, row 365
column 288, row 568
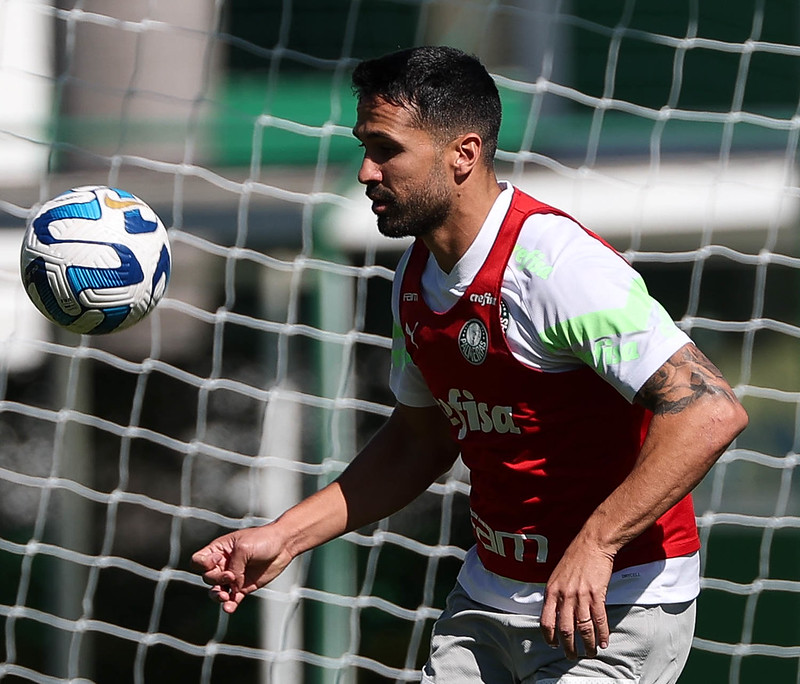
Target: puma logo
column 411, row 333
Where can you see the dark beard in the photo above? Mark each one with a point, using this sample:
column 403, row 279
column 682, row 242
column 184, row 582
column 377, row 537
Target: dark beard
column 415, row 221
column 416, row 218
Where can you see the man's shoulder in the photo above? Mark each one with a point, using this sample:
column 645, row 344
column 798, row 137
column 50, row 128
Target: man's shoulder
column 557, row 239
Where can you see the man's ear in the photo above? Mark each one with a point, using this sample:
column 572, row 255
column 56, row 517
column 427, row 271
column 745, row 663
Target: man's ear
column 466, row 154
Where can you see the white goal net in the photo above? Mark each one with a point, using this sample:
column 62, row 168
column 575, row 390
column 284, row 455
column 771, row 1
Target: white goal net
column 671, row 129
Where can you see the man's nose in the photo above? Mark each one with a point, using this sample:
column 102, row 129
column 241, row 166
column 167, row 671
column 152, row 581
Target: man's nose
column 369, row 172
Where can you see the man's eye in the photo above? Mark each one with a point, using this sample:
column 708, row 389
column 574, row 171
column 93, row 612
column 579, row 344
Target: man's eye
column 386, row 150
column 379, row 151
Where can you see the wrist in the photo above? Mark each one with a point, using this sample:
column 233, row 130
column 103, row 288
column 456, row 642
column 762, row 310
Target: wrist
column 313, row 522
column 287, row 536
column 602, row 536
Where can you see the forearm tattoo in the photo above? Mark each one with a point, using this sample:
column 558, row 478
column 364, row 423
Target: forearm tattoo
column 685, row 378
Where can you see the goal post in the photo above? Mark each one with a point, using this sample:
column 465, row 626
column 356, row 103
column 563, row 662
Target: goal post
column 672, row 131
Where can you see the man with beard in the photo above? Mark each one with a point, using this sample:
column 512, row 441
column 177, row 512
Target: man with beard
column 525, row 344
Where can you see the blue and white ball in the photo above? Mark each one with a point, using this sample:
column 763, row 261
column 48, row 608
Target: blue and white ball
column 95, row 260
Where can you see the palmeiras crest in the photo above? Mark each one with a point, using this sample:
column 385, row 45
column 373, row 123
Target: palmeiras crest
column 473, row 341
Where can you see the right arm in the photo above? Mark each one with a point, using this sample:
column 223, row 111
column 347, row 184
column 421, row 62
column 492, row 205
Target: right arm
column 408, row 453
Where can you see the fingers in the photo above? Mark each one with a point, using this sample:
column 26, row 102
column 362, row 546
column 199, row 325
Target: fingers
column 602, row 631
column 585, row 629
column 220, row 570
column 548, row 623
column 574, row 610
column 575, row 624
column 229, row 597
column 214, row 555
column 239, row 563
column 204, row 559
column 572, row 629
column 224, row 585
column 212, row 565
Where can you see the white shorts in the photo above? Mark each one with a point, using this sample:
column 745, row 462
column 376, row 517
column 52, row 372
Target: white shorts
column 474, row 644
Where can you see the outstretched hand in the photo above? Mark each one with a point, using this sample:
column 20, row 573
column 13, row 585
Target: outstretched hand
column 405, row 456
column 238, row 563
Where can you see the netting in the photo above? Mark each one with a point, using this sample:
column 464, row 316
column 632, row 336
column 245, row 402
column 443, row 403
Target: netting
column 672, row 131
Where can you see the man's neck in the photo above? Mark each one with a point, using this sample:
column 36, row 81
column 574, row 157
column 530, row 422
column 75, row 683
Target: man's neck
column 451, row 240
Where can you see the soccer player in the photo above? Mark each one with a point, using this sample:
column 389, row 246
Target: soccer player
column 526, row 344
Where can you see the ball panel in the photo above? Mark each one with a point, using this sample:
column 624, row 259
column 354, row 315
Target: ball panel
column 129, row 272
column 87, row 322
column 135, row 223
column 114, row 319
column 42, row 287
column 89, row 211
column 161, row 273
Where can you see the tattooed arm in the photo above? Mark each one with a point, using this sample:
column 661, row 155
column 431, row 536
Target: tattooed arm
column 695, row 417
column 686, row 378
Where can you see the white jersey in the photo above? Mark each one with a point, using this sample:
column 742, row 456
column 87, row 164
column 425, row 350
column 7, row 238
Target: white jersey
column 570, row 301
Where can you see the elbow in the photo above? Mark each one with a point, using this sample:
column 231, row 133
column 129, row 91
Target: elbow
column 731, row 420
column 741, row 420
column 716, row 433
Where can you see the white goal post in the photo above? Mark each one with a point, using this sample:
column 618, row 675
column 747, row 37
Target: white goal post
column 671, row 131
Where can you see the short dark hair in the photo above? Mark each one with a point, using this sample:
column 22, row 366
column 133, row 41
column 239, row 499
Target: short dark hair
column 448, row 91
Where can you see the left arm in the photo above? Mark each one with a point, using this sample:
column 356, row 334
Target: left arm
column 695, row 417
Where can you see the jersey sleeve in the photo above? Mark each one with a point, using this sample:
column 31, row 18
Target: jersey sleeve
column 405, row 379
column 586, row 302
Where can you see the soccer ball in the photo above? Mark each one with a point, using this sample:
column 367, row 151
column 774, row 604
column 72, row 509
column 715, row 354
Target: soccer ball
column 95, row 260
